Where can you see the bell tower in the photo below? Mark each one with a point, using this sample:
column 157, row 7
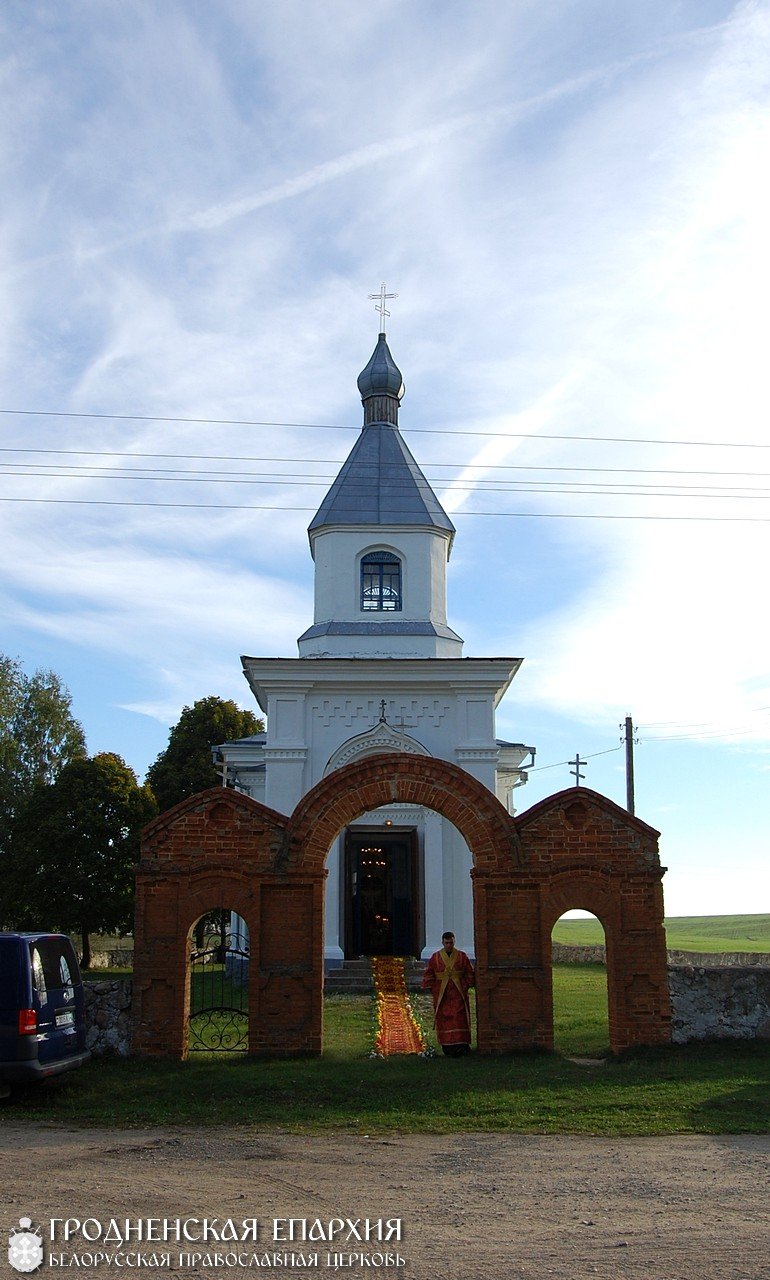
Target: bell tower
column 380, row 542
column 381, row 672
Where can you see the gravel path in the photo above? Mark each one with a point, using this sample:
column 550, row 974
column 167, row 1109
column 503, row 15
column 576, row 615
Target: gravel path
column 472, row 1205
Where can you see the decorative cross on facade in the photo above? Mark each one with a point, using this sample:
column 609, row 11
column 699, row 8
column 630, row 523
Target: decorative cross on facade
column 382, row 296
column 576, row 771
column 382, row 711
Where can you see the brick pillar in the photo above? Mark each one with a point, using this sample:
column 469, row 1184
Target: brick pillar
column 637, row 972
column 286, row 998
column 512, row 982
column 161, row 984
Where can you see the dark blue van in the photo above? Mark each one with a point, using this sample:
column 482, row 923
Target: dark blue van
column 42, row 1014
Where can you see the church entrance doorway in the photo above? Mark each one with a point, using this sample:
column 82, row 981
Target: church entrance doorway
column 381, row 896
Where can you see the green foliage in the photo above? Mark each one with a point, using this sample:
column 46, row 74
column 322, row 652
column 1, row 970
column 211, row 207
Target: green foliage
column 185, row 767
column 684, row 933
column 38, row 733
column 76, row 846
column 38, row 737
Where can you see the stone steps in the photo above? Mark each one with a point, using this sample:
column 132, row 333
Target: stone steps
column 354, row 977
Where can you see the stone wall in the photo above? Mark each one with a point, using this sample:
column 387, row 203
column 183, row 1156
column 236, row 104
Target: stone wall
column 117, row 958
column 707, row 1004
column 719, row 1003
column 720, row 959
column 569, row 953
column 562, row 953
column 108, row 1016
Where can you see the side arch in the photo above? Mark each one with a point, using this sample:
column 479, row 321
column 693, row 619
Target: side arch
column 219, row 849
column 341, row 797
column 587, row 852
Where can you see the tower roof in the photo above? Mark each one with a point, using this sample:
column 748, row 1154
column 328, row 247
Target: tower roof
column 380, row 483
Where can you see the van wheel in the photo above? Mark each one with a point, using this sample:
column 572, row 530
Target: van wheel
column 5, row 1091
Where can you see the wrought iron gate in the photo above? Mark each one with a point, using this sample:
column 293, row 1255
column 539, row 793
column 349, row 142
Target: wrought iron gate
column 219, row 1000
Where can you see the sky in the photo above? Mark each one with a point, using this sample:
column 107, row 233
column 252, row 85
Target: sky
column 571, row 200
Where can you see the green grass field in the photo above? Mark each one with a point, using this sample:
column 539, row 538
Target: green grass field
column 684, row 933
column 697, row 1089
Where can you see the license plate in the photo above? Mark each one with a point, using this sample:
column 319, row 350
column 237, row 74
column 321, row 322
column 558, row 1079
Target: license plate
column 66, row 1019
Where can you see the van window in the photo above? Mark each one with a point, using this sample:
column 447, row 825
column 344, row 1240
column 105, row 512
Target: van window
column 38, row 975
column 54, row 965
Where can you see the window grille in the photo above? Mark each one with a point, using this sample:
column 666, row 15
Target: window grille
column 381, row 582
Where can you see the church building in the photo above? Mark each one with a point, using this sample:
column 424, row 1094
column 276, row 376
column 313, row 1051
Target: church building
column 381, row 670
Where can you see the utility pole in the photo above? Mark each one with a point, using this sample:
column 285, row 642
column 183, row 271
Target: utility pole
column 576, row 771
column 629, row 741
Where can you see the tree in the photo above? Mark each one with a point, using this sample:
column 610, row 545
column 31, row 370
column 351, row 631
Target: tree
column 38, row 732
column 76, row 847
column 185, row 766
column 38, row 736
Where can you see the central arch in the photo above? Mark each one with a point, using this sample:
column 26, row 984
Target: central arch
column 341, row 797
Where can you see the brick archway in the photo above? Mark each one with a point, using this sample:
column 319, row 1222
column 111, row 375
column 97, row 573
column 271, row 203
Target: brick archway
column 575, row 849
column 587, row 853
column 371, row 783
column 220, row 849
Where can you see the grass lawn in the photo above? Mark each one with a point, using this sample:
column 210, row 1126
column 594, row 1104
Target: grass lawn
column 684, row 933
column 706, row 1089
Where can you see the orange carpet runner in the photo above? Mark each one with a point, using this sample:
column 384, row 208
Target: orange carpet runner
column 397, row 1030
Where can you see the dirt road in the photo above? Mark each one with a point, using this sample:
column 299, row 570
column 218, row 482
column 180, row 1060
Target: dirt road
column 471, row 1206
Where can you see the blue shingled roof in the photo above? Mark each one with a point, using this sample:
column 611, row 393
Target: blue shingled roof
column 389, row 628
column 381, row 484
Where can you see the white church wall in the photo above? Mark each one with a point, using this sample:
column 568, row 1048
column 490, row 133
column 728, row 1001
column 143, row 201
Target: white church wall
column 334, row 904
column 306, row 727
column 457, row 891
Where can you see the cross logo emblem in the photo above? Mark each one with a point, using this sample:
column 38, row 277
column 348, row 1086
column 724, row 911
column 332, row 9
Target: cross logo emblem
column 25, row 1246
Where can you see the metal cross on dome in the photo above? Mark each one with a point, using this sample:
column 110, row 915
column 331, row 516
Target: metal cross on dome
column 382, row 296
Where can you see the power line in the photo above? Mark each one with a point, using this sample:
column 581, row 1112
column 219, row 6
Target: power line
column 175, row 475
column 683, row 737
column 699, row 737
column 340, row 426
column 336, row 462
column 517, row 515
column 541, row 768
column 293, row 479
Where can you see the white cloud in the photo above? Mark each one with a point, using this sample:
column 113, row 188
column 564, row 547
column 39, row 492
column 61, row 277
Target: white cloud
column 572, row 202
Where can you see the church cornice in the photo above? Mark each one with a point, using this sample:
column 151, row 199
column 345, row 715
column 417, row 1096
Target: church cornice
column 286, row 666
column 476, row 753
column 269, row 677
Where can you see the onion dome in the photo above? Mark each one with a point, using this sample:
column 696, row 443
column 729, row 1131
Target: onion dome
column 381, row 385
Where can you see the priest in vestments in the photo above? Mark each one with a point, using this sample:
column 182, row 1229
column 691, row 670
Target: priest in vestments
column 448, row 976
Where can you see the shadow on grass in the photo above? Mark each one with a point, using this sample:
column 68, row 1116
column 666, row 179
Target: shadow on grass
column 695, row 1089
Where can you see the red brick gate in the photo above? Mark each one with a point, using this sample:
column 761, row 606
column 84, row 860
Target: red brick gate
column 220, row 849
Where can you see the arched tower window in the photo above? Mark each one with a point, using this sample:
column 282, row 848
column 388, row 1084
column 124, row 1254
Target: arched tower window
column 381, row 582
